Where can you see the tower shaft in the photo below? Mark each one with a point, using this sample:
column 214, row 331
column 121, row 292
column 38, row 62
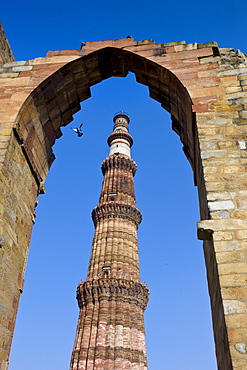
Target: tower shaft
column 110, row 332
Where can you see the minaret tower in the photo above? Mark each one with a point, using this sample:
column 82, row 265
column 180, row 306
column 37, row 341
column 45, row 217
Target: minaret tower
column 110, row 332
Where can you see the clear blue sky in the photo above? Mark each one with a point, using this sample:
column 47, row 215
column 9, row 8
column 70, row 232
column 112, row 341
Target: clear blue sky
column 178, row 321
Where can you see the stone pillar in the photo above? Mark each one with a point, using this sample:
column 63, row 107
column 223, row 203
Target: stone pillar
column 110, row 332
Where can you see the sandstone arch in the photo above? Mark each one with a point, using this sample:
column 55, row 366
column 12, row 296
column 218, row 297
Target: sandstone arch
column 203, row 87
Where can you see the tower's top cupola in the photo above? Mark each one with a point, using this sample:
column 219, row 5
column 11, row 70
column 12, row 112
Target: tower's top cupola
column 121, row 121
column 120, row 141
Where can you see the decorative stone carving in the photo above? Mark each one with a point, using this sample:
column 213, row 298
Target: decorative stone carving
column 115, row 210
column 112, row 289
column 119, row 162
column 120, row 135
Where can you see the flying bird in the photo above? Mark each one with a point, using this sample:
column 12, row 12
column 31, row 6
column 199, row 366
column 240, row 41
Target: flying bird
column 78, row 130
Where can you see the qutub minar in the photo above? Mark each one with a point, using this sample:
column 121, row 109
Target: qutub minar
column 110, row 332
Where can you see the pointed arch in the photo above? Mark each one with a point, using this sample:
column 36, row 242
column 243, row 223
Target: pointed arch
column 205, row 95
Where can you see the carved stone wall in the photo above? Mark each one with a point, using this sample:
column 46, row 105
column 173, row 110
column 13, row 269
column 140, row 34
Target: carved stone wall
column 205, row 90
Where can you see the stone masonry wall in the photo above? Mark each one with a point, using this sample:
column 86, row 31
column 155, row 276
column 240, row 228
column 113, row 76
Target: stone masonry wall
column 205, row 90
column 18, row 192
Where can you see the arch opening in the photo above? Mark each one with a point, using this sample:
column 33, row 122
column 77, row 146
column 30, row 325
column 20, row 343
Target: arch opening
column 53, row 103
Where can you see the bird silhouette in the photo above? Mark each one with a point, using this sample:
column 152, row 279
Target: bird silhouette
column 78, row 130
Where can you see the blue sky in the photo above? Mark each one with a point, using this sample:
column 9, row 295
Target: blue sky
column 178, row 321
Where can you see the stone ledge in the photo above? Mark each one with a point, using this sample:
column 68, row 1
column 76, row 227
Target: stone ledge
column 113, row 354
column 111, row 289
column 173, row 43
column 116, row 210
column 207, row 45
column 120, row 135
column 145, row 42
column 206, row 228
column 119, row 162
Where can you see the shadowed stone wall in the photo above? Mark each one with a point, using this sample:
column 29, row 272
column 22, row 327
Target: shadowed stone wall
column 205, row 90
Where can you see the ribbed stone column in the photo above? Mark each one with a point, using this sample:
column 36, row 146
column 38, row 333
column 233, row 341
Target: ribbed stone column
column 110, row 332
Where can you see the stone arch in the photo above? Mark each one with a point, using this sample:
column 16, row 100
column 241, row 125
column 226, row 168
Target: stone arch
column 58, row 97
column 192, row 82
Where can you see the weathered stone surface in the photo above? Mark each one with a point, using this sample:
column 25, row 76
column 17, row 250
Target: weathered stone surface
column 215, row 206
column 112, row 299
column 22, row 68
column 203, row 87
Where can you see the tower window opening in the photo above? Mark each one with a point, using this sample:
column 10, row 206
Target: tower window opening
column 106, row 270
column 112, row 196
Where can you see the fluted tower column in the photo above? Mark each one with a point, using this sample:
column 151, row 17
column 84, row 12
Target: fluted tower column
column 110, row 332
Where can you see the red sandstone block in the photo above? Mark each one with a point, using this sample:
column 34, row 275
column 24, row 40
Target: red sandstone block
column 202, row 52
column 52, row 53
column 169, row 49
column 141, row 48
column 26, row 73
column 69, row 52
column 53, row 59
column 17, row 89
column 9, row 105
column 7, row 116
column 187, row 76
column 118, row 43
column 146, row 53
column 18, row 81
column 5, row 128
column 48, row 66
column 197, row 68
column 199, row 108
column 198, row 53
column 5, row 96
column 39, row 73
column 206, row 91
column 182, row 63
column 205, row 99
column 36, row 81
column 204, row 81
